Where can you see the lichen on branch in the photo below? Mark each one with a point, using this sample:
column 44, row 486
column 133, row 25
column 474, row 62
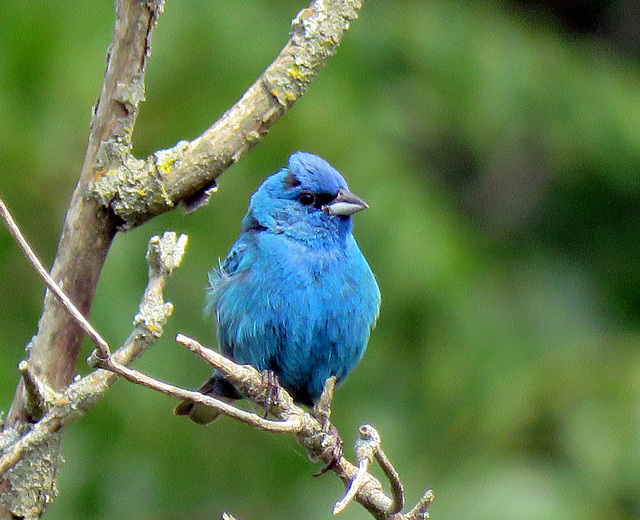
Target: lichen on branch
column 138, row 190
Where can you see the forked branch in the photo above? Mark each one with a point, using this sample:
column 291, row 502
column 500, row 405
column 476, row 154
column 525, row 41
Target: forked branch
column 139, row 190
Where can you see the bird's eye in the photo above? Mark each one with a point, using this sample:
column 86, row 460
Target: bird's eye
column 306, row 198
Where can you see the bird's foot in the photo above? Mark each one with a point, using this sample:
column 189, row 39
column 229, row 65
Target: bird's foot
column 271, row 385
column 331, row 450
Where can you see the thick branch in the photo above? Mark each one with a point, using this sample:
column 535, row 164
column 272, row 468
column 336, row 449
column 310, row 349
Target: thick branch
column 89, row 228
column 139, row 191
column 87, row 233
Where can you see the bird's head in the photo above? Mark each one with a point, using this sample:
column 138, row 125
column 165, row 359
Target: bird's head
column 307, row 200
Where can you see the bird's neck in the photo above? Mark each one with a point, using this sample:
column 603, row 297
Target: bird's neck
column 330, row 233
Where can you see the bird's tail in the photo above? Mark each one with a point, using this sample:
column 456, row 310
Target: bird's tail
column 215, row 386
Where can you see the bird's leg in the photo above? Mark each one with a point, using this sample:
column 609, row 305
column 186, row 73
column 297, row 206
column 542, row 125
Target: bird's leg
column 322, row 409
column 331, row 443
column 272, row 386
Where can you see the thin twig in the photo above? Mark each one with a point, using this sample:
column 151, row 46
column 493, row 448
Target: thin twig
column 17, row 235
column 322, row 409
column 352, row 490
column 322, row 441
column 39, row 393
column 164, row 254
column 421, row 511
column 366, row 446
column 140, row 378
column 397, row 491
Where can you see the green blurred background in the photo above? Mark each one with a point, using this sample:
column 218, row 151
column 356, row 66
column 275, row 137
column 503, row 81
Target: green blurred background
column 498, row 144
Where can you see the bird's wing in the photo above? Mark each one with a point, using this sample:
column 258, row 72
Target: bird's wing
column 231, row 263
column 235, row 262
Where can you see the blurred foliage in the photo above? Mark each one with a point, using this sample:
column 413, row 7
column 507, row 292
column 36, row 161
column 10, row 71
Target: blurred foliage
column 498, row 145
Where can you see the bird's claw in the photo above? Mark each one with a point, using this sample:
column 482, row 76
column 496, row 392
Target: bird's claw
column 331, row 450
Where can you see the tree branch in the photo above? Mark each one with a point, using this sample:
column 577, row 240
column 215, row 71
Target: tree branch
column 87, row 233
column 421, row 511
column 137, row 191
column 164, row 255
column 139, row 378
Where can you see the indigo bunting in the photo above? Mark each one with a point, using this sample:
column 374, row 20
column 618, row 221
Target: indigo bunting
column 294, row 295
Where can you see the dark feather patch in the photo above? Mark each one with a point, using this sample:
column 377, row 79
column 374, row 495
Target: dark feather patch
column 254, row 226
column 291, row 181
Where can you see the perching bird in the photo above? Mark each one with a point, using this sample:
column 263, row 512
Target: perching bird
column 294, row 295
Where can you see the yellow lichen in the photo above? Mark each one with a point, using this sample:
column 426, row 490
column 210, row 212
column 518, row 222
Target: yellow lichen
column 297, row 73
column 166, row 167
column 98, row 174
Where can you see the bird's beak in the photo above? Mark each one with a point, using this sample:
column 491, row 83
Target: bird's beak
column 345, row 204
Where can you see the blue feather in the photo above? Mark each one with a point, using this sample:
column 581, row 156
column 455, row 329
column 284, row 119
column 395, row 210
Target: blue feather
column 294, row 295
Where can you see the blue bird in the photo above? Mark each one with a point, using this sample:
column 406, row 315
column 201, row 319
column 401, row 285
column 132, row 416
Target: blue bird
column 294, row 295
